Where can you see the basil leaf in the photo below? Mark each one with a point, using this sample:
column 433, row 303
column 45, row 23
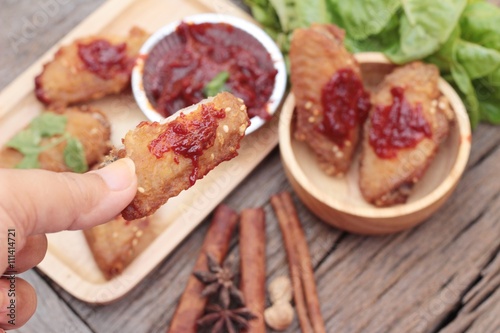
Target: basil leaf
column 216, row 85
column 26, row 142
column 49, row 124
column 74, row 155
column 29, row 161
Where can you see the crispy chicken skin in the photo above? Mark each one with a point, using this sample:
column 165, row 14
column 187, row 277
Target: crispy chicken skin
column 171, row 156
column 89, row 68
column 388, row 181
column 316, row 55
column 116, row 243
column 87, row 124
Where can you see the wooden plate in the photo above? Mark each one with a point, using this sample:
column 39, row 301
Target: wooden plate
column 69, row 261
column 338, row 201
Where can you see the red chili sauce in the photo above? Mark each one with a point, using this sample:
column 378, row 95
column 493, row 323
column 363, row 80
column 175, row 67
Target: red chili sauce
column 189, row 139
column 180, row 66
column 345, row 103
column 397, row 126
column 105, row 59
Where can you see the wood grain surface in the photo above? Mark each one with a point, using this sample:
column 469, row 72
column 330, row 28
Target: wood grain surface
column 442, row 276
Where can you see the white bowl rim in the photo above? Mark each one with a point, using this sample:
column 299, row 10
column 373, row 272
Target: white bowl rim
column 280, row 82
column 461, row 120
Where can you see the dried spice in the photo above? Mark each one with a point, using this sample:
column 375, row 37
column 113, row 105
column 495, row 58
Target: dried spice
column 219, row 281
column 221, row 319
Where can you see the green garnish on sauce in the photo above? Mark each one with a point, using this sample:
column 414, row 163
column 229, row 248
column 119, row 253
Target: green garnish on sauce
column 48, row 125
column 216, row 85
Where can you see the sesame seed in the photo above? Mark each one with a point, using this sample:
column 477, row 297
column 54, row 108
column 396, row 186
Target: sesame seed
column 243, row 107
column 225, row 128
column 240, row 100
column 141, row 189
column 139, row 233
column 228, row 109
column 308, row 105
column 311, row 119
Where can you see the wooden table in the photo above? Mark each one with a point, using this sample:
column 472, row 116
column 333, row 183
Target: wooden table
column 443, row 276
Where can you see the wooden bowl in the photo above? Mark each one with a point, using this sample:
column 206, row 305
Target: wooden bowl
column 338, row 201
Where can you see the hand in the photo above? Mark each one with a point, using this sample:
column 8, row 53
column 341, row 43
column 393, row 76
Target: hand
column 33, row 202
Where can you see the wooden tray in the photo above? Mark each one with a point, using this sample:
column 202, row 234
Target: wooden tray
column 69, row 261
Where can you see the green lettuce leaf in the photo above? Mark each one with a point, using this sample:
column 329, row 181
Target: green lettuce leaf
column 477, row 60
column 363, row 18
column 480, row 24
column 423, row 31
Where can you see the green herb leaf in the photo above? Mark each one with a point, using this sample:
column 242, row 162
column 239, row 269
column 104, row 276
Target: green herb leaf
column 363, row 18
column 49, row 124
column 463, row 82
column 29, row 161
column 480, row 24
column 26, row 142
column 422, row 30
column 74, row 155
column 216, row 85
column 477, row 60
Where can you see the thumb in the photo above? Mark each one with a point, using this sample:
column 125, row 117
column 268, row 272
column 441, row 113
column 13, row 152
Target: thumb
column 40, row 201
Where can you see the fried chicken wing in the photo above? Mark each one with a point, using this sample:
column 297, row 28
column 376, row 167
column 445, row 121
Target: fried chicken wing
column 171, row 156
column 408, row 121
column 331, row 102
column 86, row 124
column 89, row 68
column 116, row 243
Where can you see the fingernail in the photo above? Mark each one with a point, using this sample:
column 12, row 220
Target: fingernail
column 118, row 175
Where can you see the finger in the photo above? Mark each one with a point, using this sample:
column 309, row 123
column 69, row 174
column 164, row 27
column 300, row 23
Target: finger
column 31, row 254
column 41, row 201
column 18, row 302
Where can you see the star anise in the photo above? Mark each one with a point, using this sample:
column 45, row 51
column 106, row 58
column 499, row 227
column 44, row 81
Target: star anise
column 220, row 280
column 222, row 319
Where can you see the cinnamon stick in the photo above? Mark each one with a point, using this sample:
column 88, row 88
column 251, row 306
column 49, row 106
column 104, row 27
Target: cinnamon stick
column 293, row 264
column 253, row 265
column 191, row 305
column 298, row 255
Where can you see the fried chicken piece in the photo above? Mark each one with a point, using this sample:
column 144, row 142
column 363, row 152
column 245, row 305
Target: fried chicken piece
column 117, row 243
column 331, row 102
column 87, row 124
column 408, row 121
column 89, row 68
column 170, row 157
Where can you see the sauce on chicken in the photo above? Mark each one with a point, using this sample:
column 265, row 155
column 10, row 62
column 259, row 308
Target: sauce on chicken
column 397, row 126
column 345, row 103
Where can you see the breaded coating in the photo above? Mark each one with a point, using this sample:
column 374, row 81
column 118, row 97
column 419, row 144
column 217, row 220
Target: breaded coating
column 89, row 68
column 116, row 243
column 328, row 123
column 170, row 157
column 87, row 124
column 387, row 176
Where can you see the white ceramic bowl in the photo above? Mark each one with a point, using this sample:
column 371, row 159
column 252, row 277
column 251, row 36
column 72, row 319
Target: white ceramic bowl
column 252, row 29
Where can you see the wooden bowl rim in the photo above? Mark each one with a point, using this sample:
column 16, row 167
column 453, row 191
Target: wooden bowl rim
column 461, row 121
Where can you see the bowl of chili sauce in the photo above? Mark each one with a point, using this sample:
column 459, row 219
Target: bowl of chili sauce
column 194, row 58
